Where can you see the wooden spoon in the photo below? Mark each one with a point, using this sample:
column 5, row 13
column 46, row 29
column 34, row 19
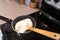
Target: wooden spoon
column 53, row 35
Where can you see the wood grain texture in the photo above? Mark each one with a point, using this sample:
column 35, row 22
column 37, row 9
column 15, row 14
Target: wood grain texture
column 53, row 35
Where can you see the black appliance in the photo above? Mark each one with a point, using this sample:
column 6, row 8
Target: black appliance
column 45, row 19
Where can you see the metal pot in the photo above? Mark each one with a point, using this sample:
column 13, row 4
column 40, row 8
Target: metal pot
column 22, row 18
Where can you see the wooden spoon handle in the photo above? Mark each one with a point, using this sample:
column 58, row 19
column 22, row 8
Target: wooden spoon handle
column 53, row 35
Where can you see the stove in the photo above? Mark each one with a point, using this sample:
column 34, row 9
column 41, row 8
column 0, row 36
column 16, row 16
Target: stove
column 10, row 34
column 45, row 19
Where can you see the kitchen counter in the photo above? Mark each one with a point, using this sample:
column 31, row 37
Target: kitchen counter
column 11, row 9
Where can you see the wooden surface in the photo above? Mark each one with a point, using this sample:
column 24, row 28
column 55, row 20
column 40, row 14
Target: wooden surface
column 11, row 9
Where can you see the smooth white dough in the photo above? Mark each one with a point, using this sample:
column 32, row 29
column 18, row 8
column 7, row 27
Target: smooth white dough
column 21, row 26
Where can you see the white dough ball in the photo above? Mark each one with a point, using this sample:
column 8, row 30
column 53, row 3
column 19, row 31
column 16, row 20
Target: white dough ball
column 21, row 26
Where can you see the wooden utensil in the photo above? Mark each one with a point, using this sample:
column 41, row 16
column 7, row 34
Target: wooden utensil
column 53, row 35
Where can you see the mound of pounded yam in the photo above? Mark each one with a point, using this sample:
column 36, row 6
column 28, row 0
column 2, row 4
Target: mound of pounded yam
column 21, row 26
